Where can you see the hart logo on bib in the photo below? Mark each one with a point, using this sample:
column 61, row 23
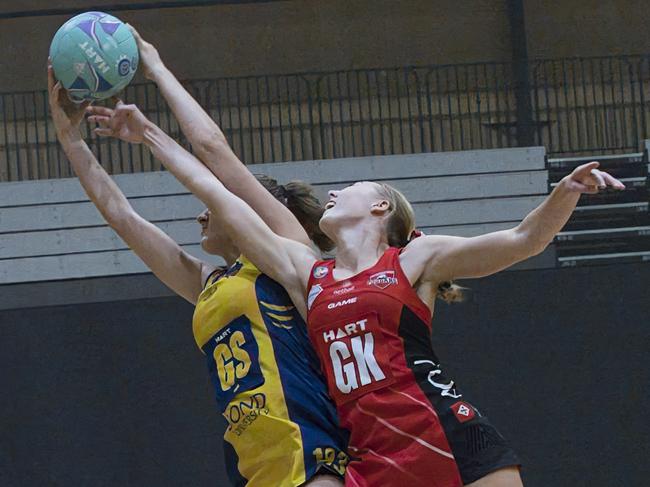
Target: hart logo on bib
column 356, row 361
column 382, row 279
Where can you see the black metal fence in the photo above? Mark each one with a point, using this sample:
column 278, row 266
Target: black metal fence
column 579, row 106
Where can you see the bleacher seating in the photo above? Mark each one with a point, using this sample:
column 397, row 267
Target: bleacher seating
column 49, row 231
column 612, row 226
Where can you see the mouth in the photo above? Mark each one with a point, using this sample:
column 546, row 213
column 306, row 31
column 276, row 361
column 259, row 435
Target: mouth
column 330, row 204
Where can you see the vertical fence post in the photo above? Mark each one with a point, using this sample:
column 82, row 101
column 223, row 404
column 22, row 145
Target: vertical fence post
column 525, row 128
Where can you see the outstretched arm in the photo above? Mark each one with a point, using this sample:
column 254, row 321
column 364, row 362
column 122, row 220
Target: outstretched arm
column 285, row 260
column 179, row 270
column 210, row 145
column 443, row 258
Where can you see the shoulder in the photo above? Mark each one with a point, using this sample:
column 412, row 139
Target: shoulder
column 421, row 258
column 426, row 246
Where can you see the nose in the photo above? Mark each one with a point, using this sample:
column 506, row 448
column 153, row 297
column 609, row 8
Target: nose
column 332, row 194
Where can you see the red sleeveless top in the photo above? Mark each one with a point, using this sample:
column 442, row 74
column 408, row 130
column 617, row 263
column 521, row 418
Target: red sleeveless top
column 372, row 334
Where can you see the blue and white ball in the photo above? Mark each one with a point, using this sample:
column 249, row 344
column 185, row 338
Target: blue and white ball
column 94, row 56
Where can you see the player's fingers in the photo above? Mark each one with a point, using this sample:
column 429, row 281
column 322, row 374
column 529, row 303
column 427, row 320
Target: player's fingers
column 103, row 132
column 599, row 179
column 118, row 102
column 586, row 169
column 56, row 91
column 121, row 115
column 100, row 111
column 50, row 77
column 98, row 119
column 612, row 181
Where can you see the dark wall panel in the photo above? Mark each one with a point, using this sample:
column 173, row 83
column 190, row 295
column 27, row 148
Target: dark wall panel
column 104, row 395
column 559, row 360
column 116, row 393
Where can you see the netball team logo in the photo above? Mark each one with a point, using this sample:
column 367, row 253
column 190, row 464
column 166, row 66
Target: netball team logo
column 320, row 272
column 463, row 411
column 382, row 279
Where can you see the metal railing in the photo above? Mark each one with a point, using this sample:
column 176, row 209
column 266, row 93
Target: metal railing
column 579, row 106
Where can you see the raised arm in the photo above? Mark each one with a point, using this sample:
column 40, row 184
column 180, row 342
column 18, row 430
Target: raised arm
column 211, row 147
column 443, row 258
column 285, row 260
column 180, row 271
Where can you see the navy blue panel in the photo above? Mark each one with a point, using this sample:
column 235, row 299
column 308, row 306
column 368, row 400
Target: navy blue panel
column 240, row 327
column 304, row 386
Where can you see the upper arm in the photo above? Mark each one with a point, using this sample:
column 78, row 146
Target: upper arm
column 177, row 269
column 224, row 163
column 440, row 258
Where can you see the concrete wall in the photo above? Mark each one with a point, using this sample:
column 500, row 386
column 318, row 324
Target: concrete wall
column 116, row 394
column 303, row 35
column 558, row 28
column 283, row 37
column 49, row 231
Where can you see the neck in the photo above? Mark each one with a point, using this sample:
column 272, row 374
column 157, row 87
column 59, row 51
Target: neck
column 230, row 256
column 358, row 247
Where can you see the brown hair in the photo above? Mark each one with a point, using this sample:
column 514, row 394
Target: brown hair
column 300, row 199
column 400, row 228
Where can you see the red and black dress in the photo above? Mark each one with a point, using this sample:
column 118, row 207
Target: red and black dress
column 409, row 425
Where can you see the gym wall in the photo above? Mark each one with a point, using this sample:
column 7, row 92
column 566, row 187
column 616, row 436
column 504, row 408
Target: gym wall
column 311, row 35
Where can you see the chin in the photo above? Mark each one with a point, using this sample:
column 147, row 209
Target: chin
column 326, row 221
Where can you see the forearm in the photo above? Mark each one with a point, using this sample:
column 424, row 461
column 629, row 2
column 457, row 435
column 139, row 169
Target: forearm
column 98, row 185
column 189, row 171
column 547, row 220
column 199, row 128
column 212, row 149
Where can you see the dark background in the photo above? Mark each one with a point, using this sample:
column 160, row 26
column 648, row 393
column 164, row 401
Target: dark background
column 116, row 393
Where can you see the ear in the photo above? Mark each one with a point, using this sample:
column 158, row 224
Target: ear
column 380, row 208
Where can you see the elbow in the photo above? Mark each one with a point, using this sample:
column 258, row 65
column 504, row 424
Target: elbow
column 538, row 248
column 531, row 243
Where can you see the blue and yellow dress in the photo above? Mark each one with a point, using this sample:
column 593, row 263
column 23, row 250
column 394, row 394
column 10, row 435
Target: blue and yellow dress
column 282, row 427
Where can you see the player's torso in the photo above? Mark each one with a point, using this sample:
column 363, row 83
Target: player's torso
column 359, row 325
column 265, row 374
column 372, row 333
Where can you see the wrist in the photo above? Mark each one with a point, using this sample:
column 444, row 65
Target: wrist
column 150, row 134
column 566, row 184
column 70, row 136
column 156, row 71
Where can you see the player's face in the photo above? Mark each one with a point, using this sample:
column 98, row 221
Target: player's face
column 351, row 204
column 213, row 240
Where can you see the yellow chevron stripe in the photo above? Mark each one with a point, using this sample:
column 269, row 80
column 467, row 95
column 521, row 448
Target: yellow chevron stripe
column 275, row 307
column 280, row 325
column 279, row 317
